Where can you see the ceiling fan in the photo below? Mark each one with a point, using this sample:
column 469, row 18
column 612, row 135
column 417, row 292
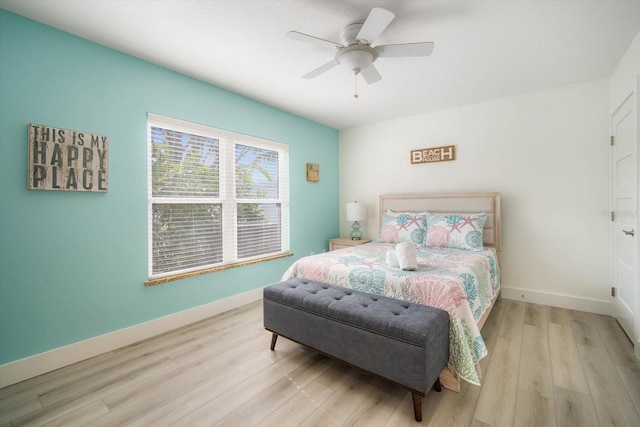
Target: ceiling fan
column 356, row 53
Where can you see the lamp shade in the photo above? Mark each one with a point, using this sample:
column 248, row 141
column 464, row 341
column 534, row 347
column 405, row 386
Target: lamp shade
column 356, row 211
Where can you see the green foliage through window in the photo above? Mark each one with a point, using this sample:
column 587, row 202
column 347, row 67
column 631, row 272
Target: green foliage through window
column 213, row 199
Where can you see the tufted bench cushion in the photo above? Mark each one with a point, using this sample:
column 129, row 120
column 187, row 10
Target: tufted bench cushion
column 405, row 343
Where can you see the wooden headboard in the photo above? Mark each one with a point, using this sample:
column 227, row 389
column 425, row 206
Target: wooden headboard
column 488, row 203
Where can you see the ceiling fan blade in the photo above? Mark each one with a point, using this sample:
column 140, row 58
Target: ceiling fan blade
column 321, row 69
column 295, row 35
column 375, row 24
column 405, row 49
column 371, row 74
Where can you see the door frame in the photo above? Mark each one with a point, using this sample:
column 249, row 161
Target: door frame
column 636, row 339
column 635, row 99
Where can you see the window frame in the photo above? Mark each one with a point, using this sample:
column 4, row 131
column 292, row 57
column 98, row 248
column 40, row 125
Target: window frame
column 226, row 198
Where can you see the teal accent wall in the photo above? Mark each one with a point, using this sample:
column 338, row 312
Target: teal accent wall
column 72, row 265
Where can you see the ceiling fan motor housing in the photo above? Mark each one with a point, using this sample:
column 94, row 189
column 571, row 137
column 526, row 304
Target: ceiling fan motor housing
column 349, row 34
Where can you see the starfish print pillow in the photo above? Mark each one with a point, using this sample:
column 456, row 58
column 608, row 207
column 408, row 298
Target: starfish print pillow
column 461, row 231
column 397, row 227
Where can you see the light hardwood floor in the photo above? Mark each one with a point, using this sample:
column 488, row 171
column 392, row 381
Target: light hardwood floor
column 546, row 367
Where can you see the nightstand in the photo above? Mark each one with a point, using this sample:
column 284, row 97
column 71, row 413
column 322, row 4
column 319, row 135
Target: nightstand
column 345, row 242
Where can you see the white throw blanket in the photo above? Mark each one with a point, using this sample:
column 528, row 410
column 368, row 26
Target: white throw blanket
column 392, row 258
column 403, row 256
column 406, row 256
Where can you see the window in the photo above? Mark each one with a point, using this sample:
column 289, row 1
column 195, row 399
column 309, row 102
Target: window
column 216, row 198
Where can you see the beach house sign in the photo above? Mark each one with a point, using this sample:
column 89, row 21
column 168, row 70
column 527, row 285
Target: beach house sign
column 433, row 154
column 67, row 160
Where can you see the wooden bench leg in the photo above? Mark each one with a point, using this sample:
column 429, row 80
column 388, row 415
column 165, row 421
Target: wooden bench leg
column 274, row 337
column 417, row 406
column 437, row 386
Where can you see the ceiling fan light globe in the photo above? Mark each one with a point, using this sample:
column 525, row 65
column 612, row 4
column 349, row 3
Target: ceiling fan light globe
column 356, row 60
column 356, row 57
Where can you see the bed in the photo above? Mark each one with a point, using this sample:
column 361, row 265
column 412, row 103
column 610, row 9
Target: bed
column 461, row 275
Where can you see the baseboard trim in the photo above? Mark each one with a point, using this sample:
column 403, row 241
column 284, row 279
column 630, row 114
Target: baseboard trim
column 29, row 367
column 558, row 300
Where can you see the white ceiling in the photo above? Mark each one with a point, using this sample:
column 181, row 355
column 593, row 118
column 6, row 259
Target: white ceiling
column 483, row 49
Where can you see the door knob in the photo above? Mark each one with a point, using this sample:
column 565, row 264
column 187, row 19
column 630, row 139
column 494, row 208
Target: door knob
column 629, row 232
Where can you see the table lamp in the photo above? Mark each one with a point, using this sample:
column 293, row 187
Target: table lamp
column 356, row 212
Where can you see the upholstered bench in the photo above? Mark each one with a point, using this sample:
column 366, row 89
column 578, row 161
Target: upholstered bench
column 407, row 344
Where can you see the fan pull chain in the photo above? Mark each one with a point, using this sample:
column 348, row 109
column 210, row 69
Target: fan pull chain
column 355, row 75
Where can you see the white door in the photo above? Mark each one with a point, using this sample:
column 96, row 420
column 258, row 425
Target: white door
column 624, row 206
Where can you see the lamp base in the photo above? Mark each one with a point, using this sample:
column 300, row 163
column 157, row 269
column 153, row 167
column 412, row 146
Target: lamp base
column 355, row 234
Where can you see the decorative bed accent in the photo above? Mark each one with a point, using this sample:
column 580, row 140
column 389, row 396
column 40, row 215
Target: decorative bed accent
column 463, row 282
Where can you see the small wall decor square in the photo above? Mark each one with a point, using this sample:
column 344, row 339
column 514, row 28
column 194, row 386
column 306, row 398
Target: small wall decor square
column 67, row 160
column 313, row 172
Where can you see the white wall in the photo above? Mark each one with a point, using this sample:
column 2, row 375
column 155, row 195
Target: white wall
column 624, row 77
column 546, row 152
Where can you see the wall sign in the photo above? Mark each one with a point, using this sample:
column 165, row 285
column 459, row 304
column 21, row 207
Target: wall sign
column 433, row 154
column 313, row 172
column 67, row 160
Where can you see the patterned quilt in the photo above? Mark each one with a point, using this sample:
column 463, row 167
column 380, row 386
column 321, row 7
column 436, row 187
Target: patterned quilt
column 459, row 281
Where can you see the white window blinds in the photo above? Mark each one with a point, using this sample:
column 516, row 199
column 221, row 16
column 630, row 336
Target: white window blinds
column 215, row 197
